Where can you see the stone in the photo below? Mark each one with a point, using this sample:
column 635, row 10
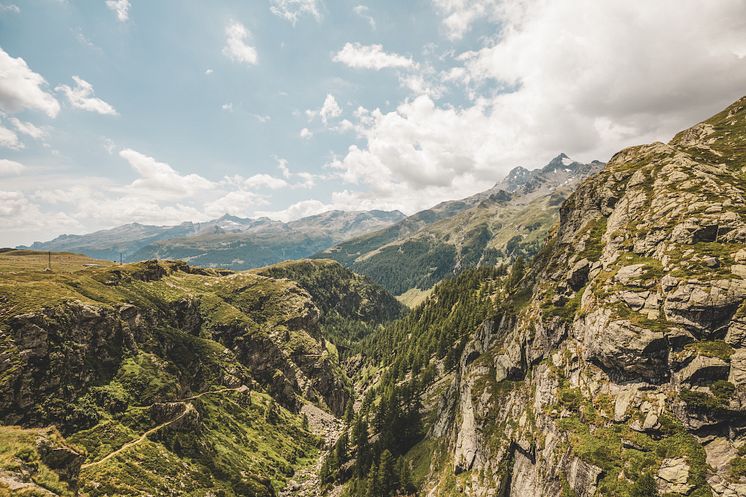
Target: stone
column 582, row 478
column 621, row 403
column 673, row 475
column 739, row 270
column 703, row 370
column 627, row 351
column 740, row 256
column 705, row 307
column 630, row 275
column 737, row 374
column 578, row 275
column 711, row 262
column 635, row 300
column 651, row 422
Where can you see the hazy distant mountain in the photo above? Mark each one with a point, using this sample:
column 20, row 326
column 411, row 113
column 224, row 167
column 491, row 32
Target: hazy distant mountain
column 511, row 218
column 230, row 241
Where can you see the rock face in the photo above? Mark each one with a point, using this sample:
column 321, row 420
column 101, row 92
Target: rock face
column 173, row 367
column 625, row 370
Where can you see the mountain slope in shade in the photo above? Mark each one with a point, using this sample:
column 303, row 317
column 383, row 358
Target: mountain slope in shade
column 512, row 218
column 228, row 242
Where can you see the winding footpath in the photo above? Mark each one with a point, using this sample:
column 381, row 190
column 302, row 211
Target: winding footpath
column 188, row 407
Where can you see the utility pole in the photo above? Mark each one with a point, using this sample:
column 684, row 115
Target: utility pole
column 120, row 258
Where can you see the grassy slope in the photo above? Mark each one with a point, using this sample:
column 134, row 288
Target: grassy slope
column 239, row 446
column 484, row 234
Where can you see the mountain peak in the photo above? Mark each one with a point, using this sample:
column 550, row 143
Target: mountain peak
column 562, row 161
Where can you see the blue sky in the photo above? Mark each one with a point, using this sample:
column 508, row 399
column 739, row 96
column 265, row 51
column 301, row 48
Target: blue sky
column 166, row 111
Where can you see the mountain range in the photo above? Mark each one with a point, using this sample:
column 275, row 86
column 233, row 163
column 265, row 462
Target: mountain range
column 228, row 242
column 512, row 218
column 405, row 254
column 604, row 358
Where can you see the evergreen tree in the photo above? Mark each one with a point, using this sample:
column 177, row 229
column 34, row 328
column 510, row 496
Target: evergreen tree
column 385, row 475
column 371, row 487
column 406, row 485
column 360, row 440
column 349, row 413
column 340, row 448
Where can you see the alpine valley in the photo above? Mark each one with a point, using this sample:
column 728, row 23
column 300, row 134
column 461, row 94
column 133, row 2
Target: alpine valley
column 576, row 330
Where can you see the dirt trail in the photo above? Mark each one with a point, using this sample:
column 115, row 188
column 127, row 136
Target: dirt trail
column 187, row 409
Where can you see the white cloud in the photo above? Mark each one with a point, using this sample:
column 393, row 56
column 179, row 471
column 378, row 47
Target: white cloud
column 307, row 180
column 8, row 139
column 120, row 8
column 264, row 181
column 227, row 107
column 8, row 167
column 236, row 203
column 11, row 204
column 262, row 118
column 9, row 8
column 21, row 88
column 360, row 56
column 19, row 216
column 160, row 179
column 305, row 133
column 364, row 12
column 330, row 109
column 108, row 145
column 459, row 15
column 569, row 77
column 208, row 72
column 236, row 47
column 85, row 41
column 298, row 210
column 81, row 96
column 27, row 128
column 292, row 10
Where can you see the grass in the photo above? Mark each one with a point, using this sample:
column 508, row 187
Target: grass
column 232, row 448
column 712, row 348
column 19, row 454
column 414, row 297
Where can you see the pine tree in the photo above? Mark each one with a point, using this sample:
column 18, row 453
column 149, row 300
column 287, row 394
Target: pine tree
column 349, row 413
column 386, row 474
column 406, row 485
column 340, row 448
column 360, row 440
column 371, row 487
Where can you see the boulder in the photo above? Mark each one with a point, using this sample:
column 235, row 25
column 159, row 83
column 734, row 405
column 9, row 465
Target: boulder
column 630, row 275
column 578, row 275
column 703, row 370
column 673, row 476
column 706, row 308
column 627, row 351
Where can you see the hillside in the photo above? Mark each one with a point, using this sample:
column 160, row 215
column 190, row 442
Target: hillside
column 511, row 219
column 228, row 242
column 612, row 366
column 160, row 375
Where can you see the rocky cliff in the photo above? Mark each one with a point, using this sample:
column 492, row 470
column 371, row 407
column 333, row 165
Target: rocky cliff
column 162, row 374
column 624, row 373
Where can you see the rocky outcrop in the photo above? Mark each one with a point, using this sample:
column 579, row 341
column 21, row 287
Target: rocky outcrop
column 632, row 346
column 60, row 352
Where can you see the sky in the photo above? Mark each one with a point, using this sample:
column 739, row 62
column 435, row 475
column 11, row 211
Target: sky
column 165, row 111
